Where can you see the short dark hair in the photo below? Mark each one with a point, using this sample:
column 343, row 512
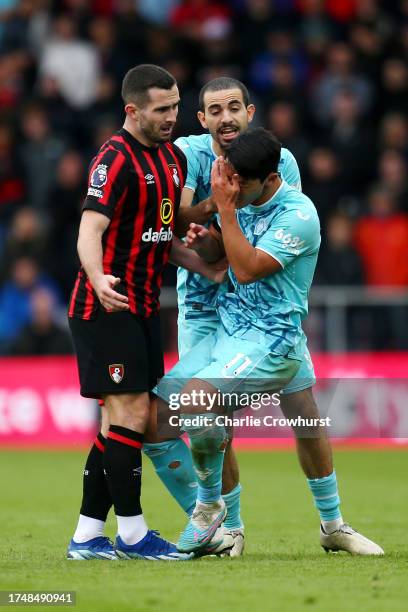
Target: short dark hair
column 219, row 85
column 140, row 79
column 255, row 153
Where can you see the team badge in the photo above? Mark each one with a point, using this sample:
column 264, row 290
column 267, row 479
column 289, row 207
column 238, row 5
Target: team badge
column 166, row 211
column 116, row 372
column 99, row 176
column 176, row 178
column 260, row 227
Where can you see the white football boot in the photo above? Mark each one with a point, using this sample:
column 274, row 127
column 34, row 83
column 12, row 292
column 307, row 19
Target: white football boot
column 346, row 538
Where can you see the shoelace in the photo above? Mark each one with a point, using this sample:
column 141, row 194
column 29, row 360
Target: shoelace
column 154, row 534
column 205, row 516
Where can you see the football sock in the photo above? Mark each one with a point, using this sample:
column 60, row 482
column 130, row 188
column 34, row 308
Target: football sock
column 327, row 501
column 87, row 529
column 96, row 499
column 131, row 529
column 207, row 448
column 122, row 461
column 233, row 502
column 174, row 466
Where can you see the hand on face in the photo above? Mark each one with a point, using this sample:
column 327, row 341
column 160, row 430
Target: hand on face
column 224, row 185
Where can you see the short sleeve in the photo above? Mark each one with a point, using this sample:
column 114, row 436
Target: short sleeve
column 292, row 233
column 107, row 182
column 193, row 164
column 289, row 170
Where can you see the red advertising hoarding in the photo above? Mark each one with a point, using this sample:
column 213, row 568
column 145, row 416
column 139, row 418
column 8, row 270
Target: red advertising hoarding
column 40, row 403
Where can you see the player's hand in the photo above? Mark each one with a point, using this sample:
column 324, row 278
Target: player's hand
column 110, row 299
column 217, row 272
column 224, row 185
column 196, row 236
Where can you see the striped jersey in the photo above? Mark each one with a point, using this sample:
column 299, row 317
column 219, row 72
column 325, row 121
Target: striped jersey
column 139, row 189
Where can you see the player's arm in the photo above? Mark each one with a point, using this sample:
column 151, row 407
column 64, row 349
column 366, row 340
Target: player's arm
column 200, row 213
column 188, row 259
column 248, row 263
column 207, row 242
column 91, row 229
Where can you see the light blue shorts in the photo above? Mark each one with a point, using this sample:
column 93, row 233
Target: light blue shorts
column 229, row 364
column 193, row 327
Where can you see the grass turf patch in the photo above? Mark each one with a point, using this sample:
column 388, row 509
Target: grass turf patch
column 283, row 569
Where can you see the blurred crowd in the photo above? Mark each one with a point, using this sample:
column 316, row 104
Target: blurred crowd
column 328, row 77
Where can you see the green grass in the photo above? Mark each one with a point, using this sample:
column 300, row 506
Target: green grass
column 284, row 568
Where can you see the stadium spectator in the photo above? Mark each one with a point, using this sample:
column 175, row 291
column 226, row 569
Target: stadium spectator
column 12, row 183
column 281, row 49
column 330, row 77
column 40, row 151
column 392, row 173
column 393, row 133
column 26, row 238
column 42, row 335
column 381, row 238
column 64, row 207
column 322, row 182
column 339, row 75
column 393, row 94
column 339, row 262
column 78, row 85
column 197, row 19
column 15, row 311
column 282, row 118
column 351, row 141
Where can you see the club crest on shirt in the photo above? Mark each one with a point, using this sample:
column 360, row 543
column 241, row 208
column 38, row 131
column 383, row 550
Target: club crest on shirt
column 116, row 372
column 99, row 176
column 260, row 227
column 176, row 178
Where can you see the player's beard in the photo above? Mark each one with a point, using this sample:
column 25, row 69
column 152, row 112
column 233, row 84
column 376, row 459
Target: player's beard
column 155, row 135
column 225, row 144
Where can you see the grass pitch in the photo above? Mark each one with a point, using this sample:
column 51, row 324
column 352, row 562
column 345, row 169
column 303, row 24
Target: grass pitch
column 284, row 568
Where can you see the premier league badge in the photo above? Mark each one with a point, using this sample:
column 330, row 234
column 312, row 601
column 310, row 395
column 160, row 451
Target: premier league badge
column 99, row 176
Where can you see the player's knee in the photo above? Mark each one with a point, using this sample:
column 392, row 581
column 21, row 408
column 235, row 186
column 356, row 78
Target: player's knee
column 130, row 411
column 301, row 403
column 208, row 437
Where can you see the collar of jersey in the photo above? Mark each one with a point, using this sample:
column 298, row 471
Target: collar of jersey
column 132, row 140
column 272, row 203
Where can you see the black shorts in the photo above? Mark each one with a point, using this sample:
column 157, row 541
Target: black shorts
column 117, row 352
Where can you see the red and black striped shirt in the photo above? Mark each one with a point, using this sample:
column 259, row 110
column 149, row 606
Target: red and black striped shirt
column 139, row 189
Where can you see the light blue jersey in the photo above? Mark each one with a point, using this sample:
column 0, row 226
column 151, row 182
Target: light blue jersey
column 197, row 294
column 270, row 311
column 259, row 344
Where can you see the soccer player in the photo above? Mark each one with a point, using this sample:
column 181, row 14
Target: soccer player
column 271, row 244
column 125, row 239
column 225, row 110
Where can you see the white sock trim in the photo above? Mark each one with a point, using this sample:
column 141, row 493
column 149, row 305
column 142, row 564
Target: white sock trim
column 330, row 526
column 131, row 529
column 88, row 528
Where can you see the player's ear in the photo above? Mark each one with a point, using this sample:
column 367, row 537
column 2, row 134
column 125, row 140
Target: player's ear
column 201, row 118
column 271, row 177
column 251, row 112
column 131, row 111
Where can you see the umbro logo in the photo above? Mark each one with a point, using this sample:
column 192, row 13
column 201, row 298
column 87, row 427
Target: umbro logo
column 149, row 179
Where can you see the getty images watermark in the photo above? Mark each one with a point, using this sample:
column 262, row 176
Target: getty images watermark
column 231, row 402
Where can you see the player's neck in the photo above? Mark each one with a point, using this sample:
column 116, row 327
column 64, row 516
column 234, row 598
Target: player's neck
column 218, row 150
column 270, row 189
column 138, row 135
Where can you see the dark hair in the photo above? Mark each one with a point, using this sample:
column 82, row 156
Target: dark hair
column 255, row 154
column 140, row 79
column 219, row 85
